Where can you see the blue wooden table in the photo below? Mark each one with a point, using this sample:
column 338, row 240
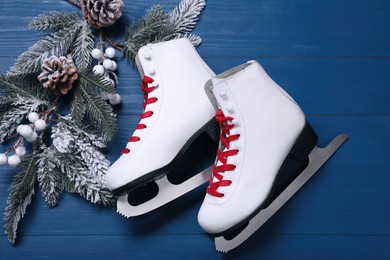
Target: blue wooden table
column 332, row 56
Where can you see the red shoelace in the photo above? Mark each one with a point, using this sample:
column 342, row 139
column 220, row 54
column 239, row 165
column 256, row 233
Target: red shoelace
column 147, row 100
column 222, row 155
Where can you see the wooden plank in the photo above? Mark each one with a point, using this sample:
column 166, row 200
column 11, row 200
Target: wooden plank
column 258, row 28
column 332, row 56
column 348, row 196
column 198, row 247
column 320, row 86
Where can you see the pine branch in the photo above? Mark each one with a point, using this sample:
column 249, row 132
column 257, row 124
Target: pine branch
column 158, row 26
column 98, row 111
column 184, row 17
column 14, row 86
column 79, row 159
column 81, row 182
column 194, row 39
column 145, row 31
column 57, row 43
column 10, row 121
column 5, row 105
column 83, row 46
column 22, row 190
column 67, row 125
column 50, row 177
column 77, row 107
column 17, row 112
column 54, row 21
column 92, row 80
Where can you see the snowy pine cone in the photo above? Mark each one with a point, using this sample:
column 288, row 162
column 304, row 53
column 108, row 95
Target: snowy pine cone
column 58, row 74
column 101, row 13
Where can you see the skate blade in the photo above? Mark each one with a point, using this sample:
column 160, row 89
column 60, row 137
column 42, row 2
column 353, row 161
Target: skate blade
column 166, row 193
column 317, row 158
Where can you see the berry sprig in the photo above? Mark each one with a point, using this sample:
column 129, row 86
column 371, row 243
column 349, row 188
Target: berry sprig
column 31, row 132
column 106, row 67
column 27, row 132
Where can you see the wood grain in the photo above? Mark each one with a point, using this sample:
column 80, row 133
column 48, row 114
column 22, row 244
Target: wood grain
column 332, row 56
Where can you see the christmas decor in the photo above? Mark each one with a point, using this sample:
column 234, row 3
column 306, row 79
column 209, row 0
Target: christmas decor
column 62, row 151
column 59, row 74
column 101, row 13
column 159, row 26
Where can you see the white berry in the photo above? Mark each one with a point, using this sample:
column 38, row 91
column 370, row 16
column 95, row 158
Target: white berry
column 20, row 127
column 40, row 124
column 114, row 66
column 32, row 137
column 98, row 70
column 20, row 151
column 96, row 54
column 33, row 116
column 115, row 99
column 14, row 160
column 110, row 52
column 107, row 64
column 25, row 130
column 3, row 158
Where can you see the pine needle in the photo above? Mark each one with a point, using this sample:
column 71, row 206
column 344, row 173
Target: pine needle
column 100, row 113
column 77, row 106
column 157, row 26
column 53, row 21
column 145, row 31
column 83, row 46
column 57, row 43
column 13, row 86
column 96, row 81
column 50, row 177
column 22, row 190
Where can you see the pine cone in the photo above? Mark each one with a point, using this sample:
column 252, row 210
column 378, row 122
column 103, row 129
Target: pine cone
column 101, row 13
column 58, row 74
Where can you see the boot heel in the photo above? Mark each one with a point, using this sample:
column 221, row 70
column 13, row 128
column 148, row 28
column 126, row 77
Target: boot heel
column 212, row 131
column 305, row 143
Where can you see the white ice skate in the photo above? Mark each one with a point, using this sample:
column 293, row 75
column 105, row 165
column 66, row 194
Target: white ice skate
column 261, row 128
column 176, row 112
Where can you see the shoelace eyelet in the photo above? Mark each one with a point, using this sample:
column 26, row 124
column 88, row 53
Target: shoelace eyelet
column 146, row 80
column 222, row 155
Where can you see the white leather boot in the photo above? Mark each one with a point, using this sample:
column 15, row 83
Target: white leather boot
column 176, row 111
column 261, row 126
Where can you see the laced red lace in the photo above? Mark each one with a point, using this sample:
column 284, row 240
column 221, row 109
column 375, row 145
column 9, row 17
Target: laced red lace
column 147, row 100
column 222, row 155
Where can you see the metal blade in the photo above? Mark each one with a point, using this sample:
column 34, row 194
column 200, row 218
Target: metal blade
column 317, row 158
column 166, row 193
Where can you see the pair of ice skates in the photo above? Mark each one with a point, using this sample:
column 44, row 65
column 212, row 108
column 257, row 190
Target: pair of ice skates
column 261, row 126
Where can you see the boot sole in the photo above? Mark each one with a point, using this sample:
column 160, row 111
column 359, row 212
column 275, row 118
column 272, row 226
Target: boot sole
column 302, row 147
column 211, row 128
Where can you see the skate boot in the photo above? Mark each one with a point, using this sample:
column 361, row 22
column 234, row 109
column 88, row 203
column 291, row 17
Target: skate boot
column 176, row 112
column 261, row 127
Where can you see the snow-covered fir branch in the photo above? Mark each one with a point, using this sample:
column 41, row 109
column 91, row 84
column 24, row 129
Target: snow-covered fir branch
column 53, row 21
column 21, row 192
column 158, row 26
column 18, row 111
column 50, row 177
column 81, row 160
column 183, row 17
column 83, row 46
column 57, row 43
